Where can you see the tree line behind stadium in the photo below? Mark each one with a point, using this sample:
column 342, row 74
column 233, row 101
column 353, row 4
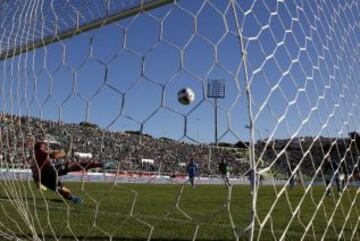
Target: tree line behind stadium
column 130, row 147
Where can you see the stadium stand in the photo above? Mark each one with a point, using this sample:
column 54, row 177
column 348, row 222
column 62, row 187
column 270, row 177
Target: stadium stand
column 130, row 147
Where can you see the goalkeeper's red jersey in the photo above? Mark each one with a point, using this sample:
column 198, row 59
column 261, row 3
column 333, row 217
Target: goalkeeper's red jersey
column 42, row 160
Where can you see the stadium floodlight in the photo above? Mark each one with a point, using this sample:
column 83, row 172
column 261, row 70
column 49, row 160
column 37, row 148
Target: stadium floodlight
column 216, row 90
column 198, row 130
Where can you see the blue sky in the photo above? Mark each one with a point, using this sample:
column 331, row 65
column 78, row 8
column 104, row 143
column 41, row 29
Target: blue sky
column 125, row 76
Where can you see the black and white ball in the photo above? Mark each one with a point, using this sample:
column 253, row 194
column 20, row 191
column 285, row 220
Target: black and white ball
column 186, row 96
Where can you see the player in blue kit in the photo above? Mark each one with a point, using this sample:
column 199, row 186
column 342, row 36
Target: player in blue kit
column 192, row 170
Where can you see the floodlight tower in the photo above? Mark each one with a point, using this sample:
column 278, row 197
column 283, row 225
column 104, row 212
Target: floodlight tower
column 216, row 90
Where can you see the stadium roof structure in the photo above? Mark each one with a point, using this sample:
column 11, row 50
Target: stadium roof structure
column 26, row 25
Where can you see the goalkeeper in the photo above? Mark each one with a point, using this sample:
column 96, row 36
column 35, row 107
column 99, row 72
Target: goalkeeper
column 45, row 173
column 225, row 169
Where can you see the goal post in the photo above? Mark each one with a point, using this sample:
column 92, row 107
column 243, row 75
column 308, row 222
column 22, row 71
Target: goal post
column 76, row 27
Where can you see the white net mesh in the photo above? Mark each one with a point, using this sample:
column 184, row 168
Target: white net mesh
column 96, row 146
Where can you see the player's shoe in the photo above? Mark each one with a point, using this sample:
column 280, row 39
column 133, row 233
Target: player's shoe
column 75, row 199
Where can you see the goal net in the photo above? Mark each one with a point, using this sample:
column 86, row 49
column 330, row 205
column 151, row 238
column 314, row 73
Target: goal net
column 101, row 138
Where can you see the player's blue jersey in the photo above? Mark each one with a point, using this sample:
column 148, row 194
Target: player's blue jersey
column 192, row 169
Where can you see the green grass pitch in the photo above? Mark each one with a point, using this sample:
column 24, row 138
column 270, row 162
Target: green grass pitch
column 133, row 211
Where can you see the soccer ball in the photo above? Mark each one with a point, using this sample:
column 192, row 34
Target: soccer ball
column 186, row 96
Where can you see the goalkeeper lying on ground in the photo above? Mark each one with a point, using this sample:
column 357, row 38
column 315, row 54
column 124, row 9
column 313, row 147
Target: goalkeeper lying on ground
column 46, row 173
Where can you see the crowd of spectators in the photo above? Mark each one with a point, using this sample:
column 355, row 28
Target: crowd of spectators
column 126, row 148
column 169, row 156
column 308, row 155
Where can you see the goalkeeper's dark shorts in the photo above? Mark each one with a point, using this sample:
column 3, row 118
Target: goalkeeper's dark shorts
column 49, row 178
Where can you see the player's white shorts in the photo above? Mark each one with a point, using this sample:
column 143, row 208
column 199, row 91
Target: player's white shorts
column 227, row 175
column 341, row 177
